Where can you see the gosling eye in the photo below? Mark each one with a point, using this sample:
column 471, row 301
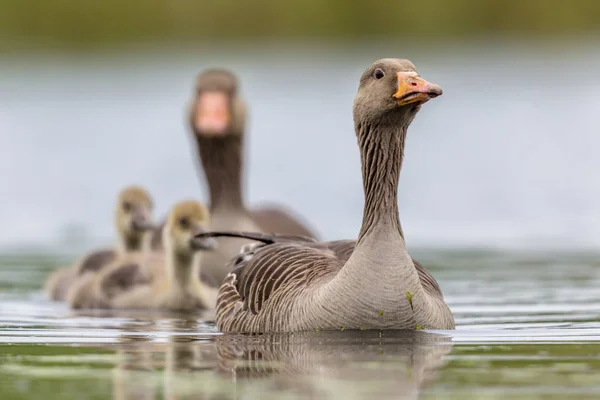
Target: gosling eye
column 184, row 222
column 378, row 73
column 127, row 206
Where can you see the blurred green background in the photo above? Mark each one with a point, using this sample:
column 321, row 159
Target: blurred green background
column 76, row 24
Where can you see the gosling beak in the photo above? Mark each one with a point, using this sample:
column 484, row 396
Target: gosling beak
column 202, row 243
column 141, row 222
column 414, row 89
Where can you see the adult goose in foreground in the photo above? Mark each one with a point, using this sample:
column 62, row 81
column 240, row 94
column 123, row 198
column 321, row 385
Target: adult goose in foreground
column 133, row 224
column 217, row 118
column 286, row 283
column 170, row 280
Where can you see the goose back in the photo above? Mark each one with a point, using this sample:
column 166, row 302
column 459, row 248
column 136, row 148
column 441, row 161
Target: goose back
column 62, row 280
column 96, row 290
column 59, row 282
column 275, row 219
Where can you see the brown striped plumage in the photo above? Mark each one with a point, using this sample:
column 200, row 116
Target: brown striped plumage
column 284, row 262
column 288, row 283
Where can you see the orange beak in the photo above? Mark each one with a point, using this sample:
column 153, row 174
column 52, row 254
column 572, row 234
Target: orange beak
column 212, row 113
column 414, row 89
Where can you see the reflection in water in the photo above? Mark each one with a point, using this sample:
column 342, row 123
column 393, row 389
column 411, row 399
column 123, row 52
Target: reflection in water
column 534, row 337
column 132, row 376
column 309, row 365
column 190, row 365
column 336, row 364
column 180, row 363
column 135, row 362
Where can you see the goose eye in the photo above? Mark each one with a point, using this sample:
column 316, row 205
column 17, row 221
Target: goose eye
column 184, row 222
column 127, row 206
column 378, row 74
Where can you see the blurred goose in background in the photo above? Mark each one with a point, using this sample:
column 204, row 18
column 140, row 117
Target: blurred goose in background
column 171, row 280
column 134, row 225
column 217, row 119
column 285, row 283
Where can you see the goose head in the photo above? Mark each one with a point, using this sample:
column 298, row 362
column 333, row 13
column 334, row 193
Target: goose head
column 133, row 212
column 186, row 220
column 217, row 108
column 391, row 89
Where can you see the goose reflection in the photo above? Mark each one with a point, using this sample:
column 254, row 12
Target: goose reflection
column 134, row 372
column 145, row 360
column 345, row 365
column 190, row 364
column 332, row 365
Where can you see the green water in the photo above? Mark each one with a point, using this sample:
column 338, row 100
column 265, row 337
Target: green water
column 528, row 327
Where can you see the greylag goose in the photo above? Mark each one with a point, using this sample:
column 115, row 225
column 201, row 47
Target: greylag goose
column 133, row 223
column 217, row 118
column 286, row 283
column 169, row 280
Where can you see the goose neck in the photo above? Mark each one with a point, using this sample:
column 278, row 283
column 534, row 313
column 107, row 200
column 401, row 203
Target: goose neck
column 222, row 162
column 179, row 269
column 134, row 242
column 382, row 152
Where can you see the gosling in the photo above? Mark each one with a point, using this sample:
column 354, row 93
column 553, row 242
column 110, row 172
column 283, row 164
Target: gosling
column 172, row 280
column 133, row 224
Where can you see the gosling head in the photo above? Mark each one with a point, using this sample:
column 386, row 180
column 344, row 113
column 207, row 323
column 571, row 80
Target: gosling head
column 187, row 219
column 217, row 109
column 391, row 91
column 133, row 213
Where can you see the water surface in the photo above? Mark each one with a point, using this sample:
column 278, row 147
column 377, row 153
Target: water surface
column 528, row 327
